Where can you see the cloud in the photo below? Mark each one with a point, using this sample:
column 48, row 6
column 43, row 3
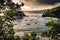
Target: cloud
column 41, row 4
column 49, row 2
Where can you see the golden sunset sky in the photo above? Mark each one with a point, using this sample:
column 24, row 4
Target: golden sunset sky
column 34, row 5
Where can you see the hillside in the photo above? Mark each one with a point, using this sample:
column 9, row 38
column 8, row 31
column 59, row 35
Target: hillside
column 54, row 12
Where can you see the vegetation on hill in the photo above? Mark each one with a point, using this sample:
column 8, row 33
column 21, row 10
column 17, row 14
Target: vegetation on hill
column 54, row 12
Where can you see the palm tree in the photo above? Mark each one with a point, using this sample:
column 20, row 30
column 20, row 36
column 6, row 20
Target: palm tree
column 54, row 28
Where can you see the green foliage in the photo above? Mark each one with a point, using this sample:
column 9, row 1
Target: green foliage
column 6, row 25
column 32, row 36
column 54, row 24
column 10, row 4
column 25, row 37
column 6, row 28
column 54, row 28
column 22, row 4
column 6, row 21
column 46, row 11
column 54, row 12
column 9, row 14
column 19, row 5
column 17, row 38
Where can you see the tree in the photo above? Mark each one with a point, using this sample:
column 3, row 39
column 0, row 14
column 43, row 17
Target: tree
column 6, row 28
column 19, row 5
column 6, row 25
column 6, row 21
column 22, row 4
column 54, row 28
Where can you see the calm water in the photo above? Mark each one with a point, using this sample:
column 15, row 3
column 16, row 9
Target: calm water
column 33, row 22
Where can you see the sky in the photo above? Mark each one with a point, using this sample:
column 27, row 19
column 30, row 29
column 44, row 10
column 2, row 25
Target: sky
column 38, row 4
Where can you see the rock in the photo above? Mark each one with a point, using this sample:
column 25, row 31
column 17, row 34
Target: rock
column 28, row 24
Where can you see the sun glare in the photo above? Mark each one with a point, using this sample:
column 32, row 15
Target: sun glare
column 15, row 1
column 25, row 8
